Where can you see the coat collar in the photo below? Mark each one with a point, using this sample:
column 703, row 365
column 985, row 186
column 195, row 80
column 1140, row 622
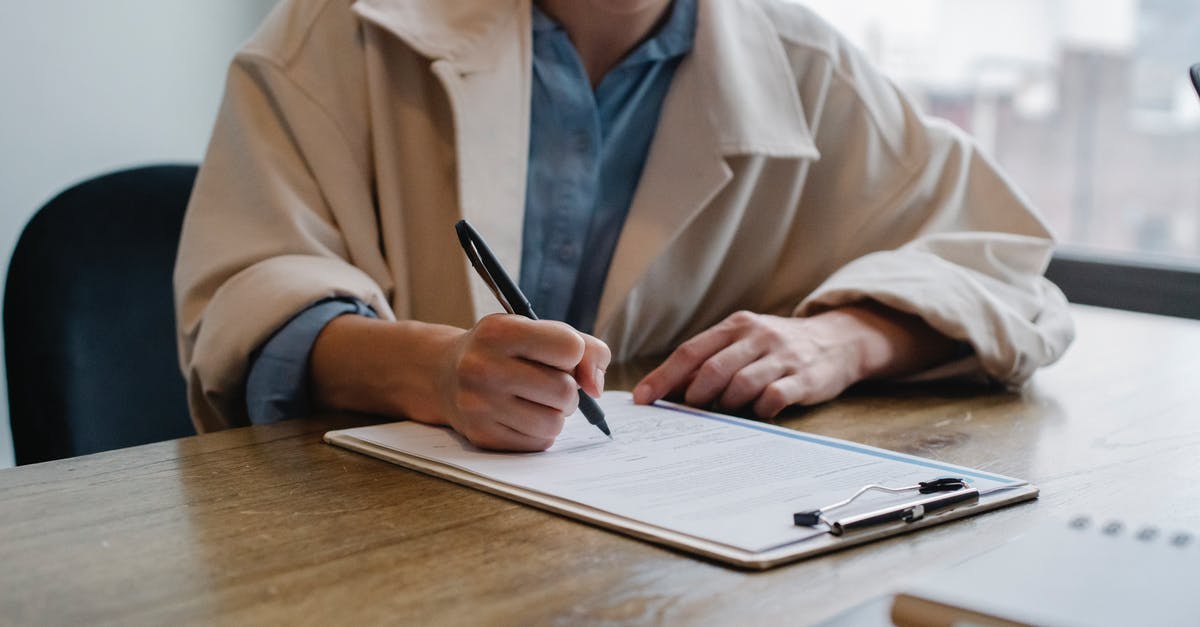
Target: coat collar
column 747, row 82
column 480, row 51
column 459, row 31
column 749, row 89
column 735, row 94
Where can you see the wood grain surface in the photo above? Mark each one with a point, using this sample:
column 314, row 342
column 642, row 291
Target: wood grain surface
column 269, row 525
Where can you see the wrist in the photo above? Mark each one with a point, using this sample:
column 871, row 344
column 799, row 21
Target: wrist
column 887, row 343
column 381, row 367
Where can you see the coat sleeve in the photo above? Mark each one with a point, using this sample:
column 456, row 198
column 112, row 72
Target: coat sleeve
column 932, row 228
column 280, row 202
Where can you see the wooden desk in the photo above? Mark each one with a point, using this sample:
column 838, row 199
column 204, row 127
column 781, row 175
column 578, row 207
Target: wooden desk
column 269, row 525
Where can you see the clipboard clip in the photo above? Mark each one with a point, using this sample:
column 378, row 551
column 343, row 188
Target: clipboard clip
column 947, row 491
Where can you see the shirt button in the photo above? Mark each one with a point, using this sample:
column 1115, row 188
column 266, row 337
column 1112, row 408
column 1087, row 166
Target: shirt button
column 566, row 253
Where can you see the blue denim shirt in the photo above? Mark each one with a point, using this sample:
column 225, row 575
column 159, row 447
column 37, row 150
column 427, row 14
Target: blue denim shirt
column 587, row 149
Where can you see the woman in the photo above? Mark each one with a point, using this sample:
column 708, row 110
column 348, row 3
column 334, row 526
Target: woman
column 726, row 182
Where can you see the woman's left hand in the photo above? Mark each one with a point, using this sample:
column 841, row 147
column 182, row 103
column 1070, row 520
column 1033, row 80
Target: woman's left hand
column 771, row 362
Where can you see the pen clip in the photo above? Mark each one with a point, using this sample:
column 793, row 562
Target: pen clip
column 907, row 512
column 469, row 238
column 812, row 518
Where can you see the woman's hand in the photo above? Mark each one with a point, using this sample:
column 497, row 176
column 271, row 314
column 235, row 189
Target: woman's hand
column 770, row 362
column 510, row 382
column 507, row 384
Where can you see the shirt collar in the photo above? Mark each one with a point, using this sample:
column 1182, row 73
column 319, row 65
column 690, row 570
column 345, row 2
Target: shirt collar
column 673, row 38
column 741, row 84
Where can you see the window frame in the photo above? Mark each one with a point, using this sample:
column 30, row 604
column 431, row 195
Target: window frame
column 1147, row 285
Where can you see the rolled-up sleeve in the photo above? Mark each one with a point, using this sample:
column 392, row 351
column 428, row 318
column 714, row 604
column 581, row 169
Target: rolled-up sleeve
column 277, row 386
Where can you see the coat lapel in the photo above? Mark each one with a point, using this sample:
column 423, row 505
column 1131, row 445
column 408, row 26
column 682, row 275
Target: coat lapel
column 480, row 50
column 734, row 94
column 684, row 171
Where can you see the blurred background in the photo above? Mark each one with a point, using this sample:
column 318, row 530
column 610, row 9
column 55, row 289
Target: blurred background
column 89, row 87
column 1085, row 103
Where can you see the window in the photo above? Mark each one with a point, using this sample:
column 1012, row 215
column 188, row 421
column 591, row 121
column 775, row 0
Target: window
column 1086, row 104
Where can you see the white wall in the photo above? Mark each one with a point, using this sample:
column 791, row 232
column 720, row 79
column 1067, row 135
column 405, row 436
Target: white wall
column 87, row 87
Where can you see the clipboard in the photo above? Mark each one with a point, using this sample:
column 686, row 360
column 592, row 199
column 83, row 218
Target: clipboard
column 369, row 441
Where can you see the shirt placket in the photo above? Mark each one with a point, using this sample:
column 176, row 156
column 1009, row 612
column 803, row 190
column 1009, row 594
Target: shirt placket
column 575, row 183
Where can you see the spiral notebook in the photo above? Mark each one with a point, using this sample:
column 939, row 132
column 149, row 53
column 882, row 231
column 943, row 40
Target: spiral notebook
column 1083, row 572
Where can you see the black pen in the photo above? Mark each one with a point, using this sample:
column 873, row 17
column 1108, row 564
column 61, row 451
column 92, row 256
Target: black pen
column 513, row 301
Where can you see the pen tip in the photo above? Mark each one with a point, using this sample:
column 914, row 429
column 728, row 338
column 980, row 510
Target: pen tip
column 603, row 426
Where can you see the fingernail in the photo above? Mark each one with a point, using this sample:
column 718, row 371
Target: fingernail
column 600, row 379
column 642, row 392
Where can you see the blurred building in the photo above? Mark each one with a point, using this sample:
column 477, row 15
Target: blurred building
column 1086, row 105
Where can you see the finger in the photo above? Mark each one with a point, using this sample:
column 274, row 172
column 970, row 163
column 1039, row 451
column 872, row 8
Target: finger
column 590, row 371
column 538, row 383
column 487, row 377
column 533, row 419
column 783, row 393
column 749, row 382
column 499, row 437
column 717, row 371
column 680, row 366
column 548, row 342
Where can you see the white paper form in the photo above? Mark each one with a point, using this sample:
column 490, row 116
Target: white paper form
column 723, row 479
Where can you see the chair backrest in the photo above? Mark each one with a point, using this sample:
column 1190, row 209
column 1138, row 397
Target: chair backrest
column 89, row 325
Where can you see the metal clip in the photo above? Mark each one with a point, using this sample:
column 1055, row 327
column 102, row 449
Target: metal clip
column 909, row 512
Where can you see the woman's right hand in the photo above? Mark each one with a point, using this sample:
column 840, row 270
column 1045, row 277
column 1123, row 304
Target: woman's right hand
column 508, row 383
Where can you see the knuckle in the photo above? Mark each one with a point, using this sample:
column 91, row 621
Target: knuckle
column 697, row 394
column 490, row 329
column 575, row 345
column 743, row 318
column 565, row 393
column 508, row 327
column 571, row 403
column 740, row 384
column 775, row 396
column 567, row 339
column 603, row 354
column 772, row 335
column 711, row 369
column 688, row 351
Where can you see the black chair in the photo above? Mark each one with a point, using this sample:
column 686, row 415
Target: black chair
column 89, row 317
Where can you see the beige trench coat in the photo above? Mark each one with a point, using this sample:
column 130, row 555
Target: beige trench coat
column 786, row 176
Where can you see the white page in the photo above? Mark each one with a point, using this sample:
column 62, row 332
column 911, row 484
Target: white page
column 727, row 480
